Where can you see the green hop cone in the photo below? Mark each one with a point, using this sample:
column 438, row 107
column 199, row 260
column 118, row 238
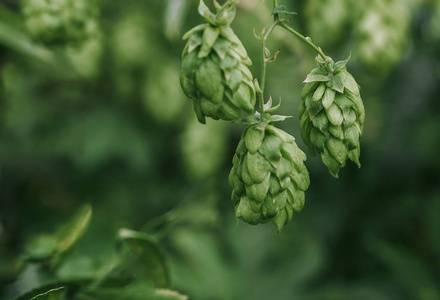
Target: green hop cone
column 215, row 73
column 332, row 114
column 268, row 176
column 382, row 30
column 58, row 22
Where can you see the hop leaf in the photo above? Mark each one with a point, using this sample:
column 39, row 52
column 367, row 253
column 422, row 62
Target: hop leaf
column 332, row 115
column 215, row 73
column 268, row 176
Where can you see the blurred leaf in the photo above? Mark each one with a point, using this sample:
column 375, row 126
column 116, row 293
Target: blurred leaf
column 73, row 231
column 433, row 209
column 40, row 247
column 164, row 294
column 14, row 38
column 52, row 291
column 147, row 258
column 54, row 294
column 413, row 273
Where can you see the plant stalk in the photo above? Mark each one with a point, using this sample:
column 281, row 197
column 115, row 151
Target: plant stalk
column 308, row 41
column 264, row 67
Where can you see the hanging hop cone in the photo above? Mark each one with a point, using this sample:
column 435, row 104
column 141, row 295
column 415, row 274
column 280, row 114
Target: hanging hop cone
column 58, row 22
column 332, row 114
column 268, row 176
column 382, row 29
column 214, row 70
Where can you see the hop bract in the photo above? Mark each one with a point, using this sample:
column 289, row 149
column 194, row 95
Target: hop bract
column 58, row 22
column 268, row 176
column 214, row 70
column 332, row 114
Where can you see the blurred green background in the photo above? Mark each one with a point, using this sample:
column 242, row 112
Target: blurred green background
column 104, row 121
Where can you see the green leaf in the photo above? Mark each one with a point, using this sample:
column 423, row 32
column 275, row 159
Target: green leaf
column 145, row 258
column 54, row 294
column 73, row 231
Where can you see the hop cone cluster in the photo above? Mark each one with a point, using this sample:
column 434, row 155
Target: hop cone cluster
column 58, row 22
column 215, row 72
column 382, row 29
column 332, row 114
column 268, row 176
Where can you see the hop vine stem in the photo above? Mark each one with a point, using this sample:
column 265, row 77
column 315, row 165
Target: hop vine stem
column 283, row 24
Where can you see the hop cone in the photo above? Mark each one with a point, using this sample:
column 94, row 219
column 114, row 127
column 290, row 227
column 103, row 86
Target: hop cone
column 332, row 114
column 268, row 176
column 214, row 70
column 382, row 30
column 58, row 22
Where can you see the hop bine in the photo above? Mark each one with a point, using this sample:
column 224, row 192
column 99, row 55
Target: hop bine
column 332, row 114
column 215, row 72
column 268, row 176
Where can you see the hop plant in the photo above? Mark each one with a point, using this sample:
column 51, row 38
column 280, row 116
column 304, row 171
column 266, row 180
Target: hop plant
column 58, row 22
column 215, row 72
column 332, row 114
column 268, row 176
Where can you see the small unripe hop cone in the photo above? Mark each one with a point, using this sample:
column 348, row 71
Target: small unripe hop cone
column 214, row 70
column 268, row 176
column 332, row 114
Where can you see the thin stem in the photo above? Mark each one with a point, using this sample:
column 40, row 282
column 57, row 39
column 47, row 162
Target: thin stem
column 264, row 67
column 304, row 39
column 263, row 80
